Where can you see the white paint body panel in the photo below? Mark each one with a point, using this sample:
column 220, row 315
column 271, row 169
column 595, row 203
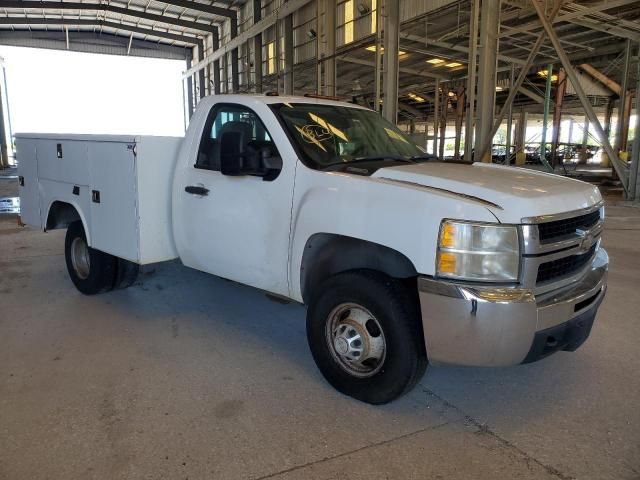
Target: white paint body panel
column 133, row 175
column 240, row 230
column 255, row 232
column 520, row 192
column 402, row 217
column 29, row 192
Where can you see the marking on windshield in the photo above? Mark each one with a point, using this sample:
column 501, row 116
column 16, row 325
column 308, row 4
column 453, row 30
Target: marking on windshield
column 323, row 123
column 317, row 132
column 309, row 136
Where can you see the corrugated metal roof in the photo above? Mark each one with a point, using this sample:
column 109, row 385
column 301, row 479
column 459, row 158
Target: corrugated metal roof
column 176, row 23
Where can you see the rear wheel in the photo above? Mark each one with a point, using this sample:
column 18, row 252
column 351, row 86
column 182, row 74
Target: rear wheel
column 365, row 334
column 91, row 271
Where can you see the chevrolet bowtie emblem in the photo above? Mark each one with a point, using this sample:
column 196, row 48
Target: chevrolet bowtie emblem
column 587, row 239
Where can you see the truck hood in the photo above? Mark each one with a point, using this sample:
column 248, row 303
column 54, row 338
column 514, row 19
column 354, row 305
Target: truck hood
column 510, row 193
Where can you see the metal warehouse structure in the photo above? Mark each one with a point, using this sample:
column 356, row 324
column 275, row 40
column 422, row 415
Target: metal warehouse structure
column 473, row 65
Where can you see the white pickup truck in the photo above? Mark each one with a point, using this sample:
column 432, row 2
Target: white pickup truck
column 401, row 259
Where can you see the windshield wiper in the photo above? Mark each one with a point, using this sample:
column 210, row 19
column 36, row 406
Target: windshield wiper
column 374, row 158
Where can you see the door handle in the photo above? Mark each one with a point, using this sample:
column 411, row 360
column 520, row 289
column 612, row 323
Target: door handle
column 195, row 190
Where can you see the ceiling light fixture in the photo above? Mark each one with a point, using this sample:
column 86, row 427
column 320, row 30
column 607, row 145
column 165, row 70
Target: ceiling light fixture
column 372, row 48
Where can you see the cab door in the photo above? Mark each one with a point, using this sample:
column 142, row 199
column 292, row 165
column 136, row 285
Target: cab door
column 235, row 227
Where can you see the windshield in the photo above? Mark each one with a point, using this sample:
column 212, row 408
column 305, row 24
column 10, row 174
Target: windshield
column 328, row 134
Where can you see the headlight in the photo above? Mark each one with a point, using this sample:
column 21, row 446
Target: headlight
column 478, row 252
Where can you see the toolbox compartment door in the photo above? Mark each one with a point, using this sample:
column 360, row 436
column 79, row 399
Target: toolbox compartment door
column 113, row 199
column 28, row 179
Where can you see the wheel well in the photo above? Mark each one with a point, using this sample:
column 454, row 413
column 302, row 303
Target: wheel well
column 327, row 254
column 61, row 214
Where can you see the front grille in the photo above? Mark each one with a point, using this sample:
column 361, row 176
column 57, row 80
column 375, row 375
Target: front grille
column 564, row 266
column 559, row 228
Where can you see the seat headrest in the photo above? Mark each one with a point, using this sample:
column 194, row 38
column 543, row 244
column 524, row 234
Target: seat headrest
column 244, row 128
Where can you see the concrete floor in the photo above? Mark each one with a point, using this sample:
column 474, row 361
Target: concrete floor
column 188, row 376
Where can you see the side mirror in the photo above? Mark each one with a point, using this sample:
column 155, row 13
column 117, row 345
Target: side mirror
column 237, row 160
column 231, row 158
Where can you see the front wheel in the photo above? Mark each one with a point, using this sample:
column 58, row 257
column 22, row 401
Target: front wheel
column 365, row 335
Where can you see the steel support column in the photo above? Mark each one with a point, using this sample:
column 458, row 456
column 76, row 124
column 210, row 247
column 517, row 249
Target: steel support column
column 507, row 147
column 471, row 80
column 561, row 87
column 257, row 48
column 443, row 120
column 489, row 29
column 189, row 87
column 545, row 118
column 482, row 144
column 288, row 55
column 201, row 86
column 436, row 115
column 215, row 42
column 460, row 103
column 319, row 48
column 585, row 132
column 626, row 121
column 330, row 47
column 608, row 115
column 624, row 109
column 378, row 55
column 257, row 62
column 235, row 76
column 521, row 132
column 6, row 94
column 4, row 155
column 390, row 59
column 634, row 176
column 619, row 167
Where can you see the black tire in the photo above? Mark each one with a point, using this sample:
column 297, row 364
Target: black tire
column 101, row 273
column 126, row 273
column 395, row 308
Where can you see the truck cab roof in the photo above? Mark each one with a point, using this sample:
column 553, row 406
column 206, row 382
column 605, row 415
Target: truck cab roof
column 275, row 98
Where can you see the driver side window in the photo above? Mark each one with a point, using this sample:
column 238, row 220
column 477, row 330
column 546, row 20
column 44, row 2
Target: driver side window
column 240, row 121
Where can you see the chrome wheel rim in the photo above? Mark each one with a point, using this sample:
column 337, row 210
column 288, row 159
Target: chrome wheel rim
column 80, row 258
column 356, row 340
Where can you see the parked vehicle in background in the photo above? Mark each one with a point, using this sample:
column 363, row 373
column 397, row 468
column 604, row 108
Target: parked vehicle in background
column 401, row 260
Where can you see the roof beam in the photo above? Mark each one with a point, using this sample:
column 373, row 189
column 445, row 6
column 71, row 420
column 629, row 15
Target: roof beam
column 203, row 7
column 573, row 16
column 454, row 47
column 92, row 42
column 98, row 23
column 103, row 7
column 533, row 96
column 607, row 28
column 602, row 78
column 410, row 71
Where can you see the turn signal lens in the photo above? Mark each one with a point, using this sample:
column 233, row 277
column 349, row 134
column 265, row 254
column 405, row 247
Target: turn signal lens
column 448, row 235
column 447, row 263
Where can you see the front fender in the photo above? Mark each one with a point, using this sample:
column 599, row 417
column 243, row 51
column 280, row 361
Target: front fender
column 404, row 218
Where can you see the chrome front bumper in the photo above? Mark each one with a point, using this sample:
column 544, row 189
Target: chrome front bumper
column 488, row 326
